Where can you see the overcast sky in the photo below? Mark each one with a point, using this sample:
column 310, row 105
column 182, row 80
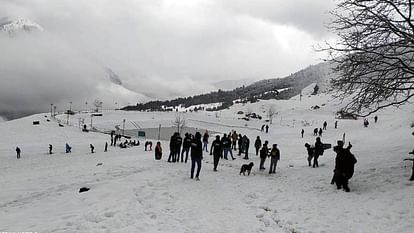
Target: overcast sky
column 160, row 48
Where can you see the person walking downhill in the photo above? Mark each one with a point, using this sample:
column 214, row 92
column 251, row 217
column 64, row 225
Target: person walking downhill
column 274, row 157
column 196, row 155
column 18, row 151
column 205, row 141
column 217, row 151
column 263, row 155
column 320, row 132
column 257, row 145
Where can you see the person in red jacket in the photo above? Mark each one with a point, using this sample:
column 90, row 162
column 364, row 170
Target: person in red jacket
column 158, row 151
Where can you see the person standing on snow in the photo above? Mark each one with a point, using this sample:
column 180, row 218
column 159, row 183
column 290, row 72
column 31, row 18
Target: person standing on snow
column 318, row 151
column 217, row 151
column 274, row 157
column 344, row 165
column 325, row 124
column 267, row 128
column 68, row 148
column 205, row 141
column 302, row 132
column 263, row 155
column 172, row 148
column 177, row 148
column 50, row 149
column 311, row 153
column 257, row 145
column 106, row 147
column 315, row 132
column 240, row 143
column 320, row 132
column 234, row 140
column 226, row 144
column 186, row 147
column 18, row 151
column 246, row 145
column 158, row 151
column 196, row 155
column 92, row 148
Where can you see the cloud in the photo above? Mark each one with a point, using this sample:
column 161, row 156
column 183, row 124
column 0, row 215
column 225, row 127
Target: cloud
column 161, row 48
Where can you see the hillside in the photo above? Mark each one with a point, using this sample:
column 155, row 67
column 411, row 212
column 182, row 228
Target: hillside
column 131, row 192
column 277, row 88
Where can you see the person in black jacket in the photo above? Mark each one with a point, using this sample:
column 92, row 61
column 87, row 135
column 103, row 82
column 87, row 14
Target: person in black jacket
column 226, row 144
column 186, row 147
column 246, row 144
column 196, row 155
column 311, row 153
column 217, row 151
column 344, row 165
column 274, row 157
column 263, row 155
column 240, row 144
column 18, row 151
column 318, row 151
column 172, row 148
column 177, row 149
column 257, row 145
column 205, row 141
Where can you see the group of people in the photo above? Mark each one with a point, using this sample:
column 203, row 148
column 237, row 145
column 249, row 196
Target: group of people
column 314, row 152
column 221, row 148
column 189, row 142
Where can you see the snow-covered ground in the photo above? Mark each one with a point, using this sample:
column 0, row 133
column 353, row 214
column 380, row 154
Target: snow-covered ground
column 131, row 192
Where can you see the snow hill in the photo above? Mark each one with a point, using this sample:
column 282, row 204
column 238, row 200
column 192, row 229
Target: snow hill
column 131, row 192
column 12, row 26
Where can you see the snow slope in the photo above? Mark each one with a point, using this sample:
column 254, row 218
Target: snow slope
column 12, row 26
column 131, row 192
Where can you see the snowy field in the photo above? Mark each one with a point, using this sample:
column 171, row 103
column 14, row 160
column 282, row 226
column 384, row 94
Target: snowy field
column 131, row 192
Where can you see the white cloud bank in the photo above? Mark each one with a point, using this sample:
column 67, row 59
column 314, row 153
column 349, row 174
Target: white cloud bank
column 160, row 48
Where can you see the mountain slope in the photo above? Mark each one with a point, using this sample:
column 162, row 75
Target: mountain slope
column 276, row 88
